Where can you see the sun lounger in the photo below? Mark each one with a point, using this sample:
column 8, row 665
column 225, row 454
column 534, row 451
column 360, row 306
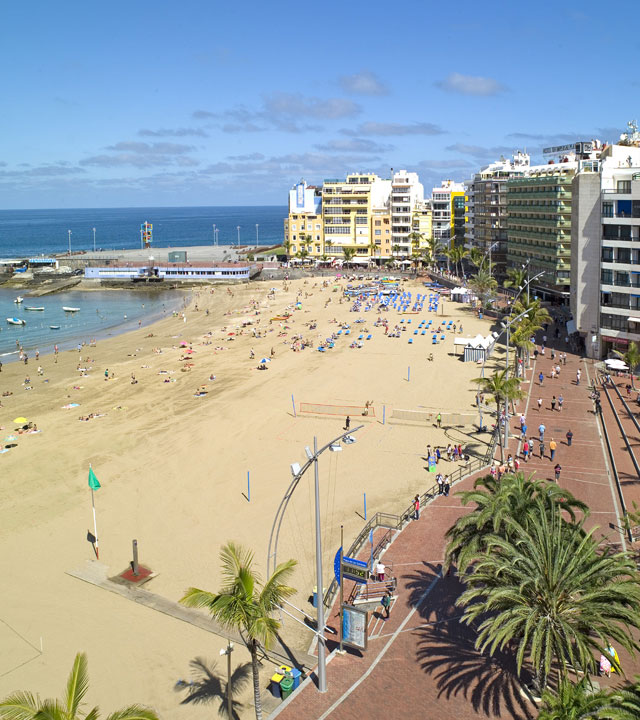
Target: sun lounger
column 369, row 337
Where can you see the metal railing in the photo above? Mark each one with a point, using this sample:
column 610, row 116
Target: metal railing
column 398, row 522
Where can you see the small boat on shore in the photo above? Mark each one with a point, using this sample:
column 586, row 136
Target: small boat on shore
column 34, row 308
column 18, row 299
column 70, row 309
column 16, row 321
column 54, row 327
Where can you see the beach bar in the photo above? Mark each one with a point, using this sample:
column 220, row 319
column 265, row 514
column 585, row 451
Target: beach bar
column 170, row 271
column 477, row 349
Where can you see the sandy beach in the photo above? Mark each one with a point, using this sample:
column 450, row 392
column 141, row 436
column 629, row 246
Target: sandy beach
column 172, row 452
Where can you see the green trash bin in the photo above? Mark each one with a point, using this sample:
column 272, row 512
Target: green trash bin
column 286, row 685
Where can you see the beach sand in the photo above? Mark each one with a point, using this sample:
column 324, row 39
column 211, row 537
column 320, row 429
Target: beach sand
column 173, row 469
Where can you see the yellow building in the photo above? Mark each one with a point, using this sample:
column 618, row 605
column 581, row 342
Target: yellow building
column 381, row 247
column 422, row 225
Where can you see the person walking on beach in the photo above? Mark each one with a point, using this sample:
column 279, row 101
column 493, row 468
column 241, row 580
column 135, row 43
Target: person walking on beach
column 578, row 375
column 386, row 604
column 557, row 470
column 569, row 437
column 541, row 378
column 347, row 423
column 539, row 404
column 560, row 402
column 553, row 446
column 438, row 455
column 416, row 507
column 439, row 420
column 523, row 434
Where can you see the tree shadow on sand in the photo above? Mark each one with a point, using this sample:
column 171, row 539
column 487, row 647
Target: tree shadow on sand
column 206, row 687
column 445, row 650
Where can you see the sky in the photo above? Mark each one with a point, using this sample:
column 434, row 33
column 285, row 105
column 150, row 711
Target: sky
column 202, row 102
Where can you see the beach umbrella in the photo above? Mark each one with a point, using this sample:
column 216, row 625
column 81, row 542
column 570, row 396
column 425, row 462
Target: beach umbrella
column 94, row 485
column 20, row 420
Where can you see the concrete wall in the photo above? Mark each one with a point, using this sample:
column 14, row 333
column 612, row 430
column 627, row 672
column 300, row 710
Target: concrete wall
column 586, row 228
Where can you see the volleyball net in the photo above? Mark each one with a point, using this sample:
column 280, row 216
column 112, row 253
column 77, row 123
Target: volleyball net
column 307, row 408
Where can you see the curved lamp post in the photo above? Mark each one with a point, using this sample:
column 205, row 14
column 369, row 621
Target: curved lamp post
column 298, row 472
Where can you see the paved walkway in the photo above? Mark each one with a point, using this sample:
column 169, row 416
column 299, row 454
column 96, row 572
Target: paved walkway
column 422, row 661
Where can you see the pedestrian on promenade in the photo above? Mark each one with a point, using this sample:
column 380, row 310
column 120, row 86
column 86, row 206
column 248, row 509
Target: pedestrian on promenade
column 542, row 448
column 569, row 437
column 560, row 402
column 539, row 404
column 564, row 358
column 557, row 371
column 541, row 378
column 525, row 451
column 553, row 373
column 553, row 445
column 553, row 354
column 578, row 376
column 386, row 604
column 447, row 485
column 532, row 446
column 347, row 423
column 437, row 455
column 523, row 434
column 380, row 570
column 541, row 429
column 557, row 470
column 440, row 481
column 416, row 507
column 553, row 403
column 439, row 419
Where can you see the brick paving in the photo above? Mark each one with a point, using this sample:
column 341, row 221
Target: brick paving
column 422, row 662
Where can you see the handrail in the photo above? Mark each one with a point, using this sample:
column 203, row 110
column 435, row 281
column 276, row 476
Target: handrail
column 470, row 467
column 612, row 459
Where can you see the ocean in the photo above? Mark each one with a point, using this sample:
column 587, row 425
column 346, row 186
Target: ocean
column 37, row 232
column 103, row 313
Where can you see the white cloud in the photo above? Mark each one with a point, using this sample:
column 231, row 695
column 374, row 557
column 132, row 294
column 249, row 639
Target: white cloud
column 354, row 145
column 173, row 132
column 470, row 85
column 389, row 129
column 363, row 83
column 296, row 104
column 478, row 151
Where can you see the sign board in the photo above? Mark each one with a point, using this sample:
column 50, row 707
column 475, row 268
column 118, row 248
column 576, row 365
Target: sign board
column 558, row 149
column 300, row 195
column 354, row 627
column 355, row 570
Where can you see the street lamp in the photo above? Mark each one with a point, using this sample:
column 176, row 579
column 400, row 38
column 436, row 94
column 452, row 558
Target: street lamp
column 227, row 651
column 94, row 239
column 214, row 233
column 298, row 472
column 257, row 226
column 238, row 229
column 69, row 231
column 507, row 328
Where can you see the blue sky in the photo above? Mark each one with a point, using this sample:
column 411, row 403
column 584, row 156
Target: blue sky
column 208, row 103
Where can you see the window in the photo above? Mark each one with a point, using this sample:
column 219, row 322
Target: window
column 624, row 255
column 293, row 227
column 378, row 232
column 607, row 209
column 623, row 186
column 613, row 322
column 378, row 223
column 606, row 277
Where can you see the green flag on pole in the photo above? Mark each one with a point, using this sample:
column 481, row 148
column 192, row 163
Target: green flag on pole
column 93, row 480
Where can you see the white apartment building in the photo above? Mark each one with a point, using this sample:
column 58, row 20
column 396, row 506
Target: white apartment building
column 407, row 193
column 605, row 249
column 442, row 200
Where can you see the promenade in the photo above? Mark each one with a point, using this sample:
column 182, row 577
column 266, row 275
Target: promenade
column 421, row 661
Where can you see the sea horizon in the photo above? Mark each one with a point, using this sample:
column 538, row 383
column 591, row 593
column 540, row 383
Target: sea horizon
column 46, row 230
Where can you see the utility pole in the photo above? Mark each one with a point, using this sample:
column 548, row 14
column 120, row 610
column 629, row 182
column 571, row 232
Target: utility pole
column 322, row 660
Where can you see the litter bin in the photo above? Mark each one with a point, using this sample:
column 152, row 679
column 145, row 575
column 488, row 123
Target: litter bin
column 276, row 679
column 286, row 685
column 295, row 674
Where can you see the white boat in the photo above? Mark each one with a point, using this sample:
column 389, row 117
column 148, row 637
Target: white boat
column 54, row 327
column 18, row 299
column 16, row 321
column 34, row 308
column 70, row 309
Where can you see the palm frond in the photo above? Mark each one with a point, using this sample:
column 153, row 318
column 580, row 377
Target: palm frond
column 19, row 706
column 77, row 684
column 133, row 712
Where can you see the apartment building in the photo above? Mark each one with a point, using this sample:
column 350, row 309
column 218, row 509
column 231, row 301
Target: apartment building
column 421, row 225
column 303, row 231
column 487, row 220
column 605, row 247
column 406, row 193
column 448, row 206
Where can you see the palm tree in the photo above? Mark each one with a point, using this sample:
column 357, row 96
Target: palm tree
column 549, row 589
column 516, row 277
column 245, row 605
column 458, row 253
column 496, row 501
column 348, row 253
column 476, row 256
column 27, row 706
column 433, row 249
column 287, row 246
column 484, row 285
column 415, row 238
column 575, row 702
column 625, row 702
column 632, row 359
column 501, row 389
